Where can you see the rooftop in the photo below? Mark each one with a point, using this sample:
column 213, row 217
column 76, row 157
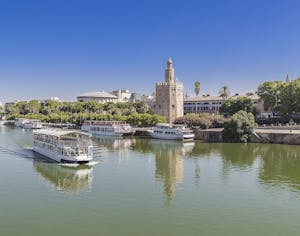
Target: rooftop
column 218, row 98
column 59, row 132
column 204, row 98
column 98, row 94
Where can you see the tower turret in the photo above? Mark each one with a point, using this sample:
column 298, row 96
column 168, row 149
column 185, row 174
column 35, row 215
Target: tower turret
column 169, row 72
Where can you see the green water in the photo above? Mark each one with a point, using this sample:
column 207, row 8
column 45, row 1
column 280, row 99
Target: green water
column 150, row 187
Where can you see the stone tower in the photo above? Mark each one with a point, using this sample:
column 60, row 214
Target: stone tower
column 169, row 96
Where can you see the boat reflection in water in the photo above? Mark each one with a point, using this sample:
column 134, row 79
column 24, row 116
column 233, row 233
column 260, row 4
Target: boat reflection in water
column 64, row 177
column 113, row 144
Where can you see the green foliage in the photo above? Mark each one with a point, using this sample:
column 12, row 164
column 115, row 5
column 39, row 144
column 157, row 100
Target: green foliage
column 232, row 106
column 12, row 109
column 144, row 120
column 203, row 121
column 140, row 120
column 239, row 128
column 117, row 109
column 288, row 93
column 34, row 106
column 269, row 92
column 290, row 97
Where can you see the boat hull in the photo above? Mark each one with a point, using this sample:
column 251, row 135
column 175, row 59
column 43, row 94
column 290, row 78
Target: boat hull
column 61, row 158
column 188, row 137
column 108, row 133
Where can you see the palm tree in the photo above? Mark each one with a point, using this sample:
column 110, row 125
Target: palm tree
column 197, row 88
column 224, row 92
column 197, row 91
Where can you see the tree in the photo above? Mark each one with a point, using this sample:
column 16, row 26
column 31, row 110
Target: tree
column 50, row 107
column 290, row 97
column 141, row 107
column 270, row 92
column 34, row 106
column 224, row 92
column 197, row 88
column 12, row 108
column 232, row 106
column 239, row 128
column 23, row 107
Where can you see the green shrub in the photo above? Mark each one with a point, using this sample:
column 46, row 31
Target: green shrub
column 204, row 121
column 239, row 128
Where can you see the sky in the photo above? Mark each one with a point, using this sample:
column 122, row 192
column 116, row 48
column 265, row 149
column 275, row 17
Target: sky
column 64, row 48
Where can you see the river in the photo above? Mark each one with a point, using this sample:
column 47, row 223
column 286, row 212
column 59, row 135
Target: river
column 150, row 187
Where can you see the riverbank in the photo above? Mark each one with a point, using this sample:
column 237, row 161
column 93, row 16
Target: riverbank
column 280, row 135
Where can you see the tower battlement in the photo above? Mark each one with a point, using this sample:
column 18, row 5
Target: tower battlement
column 169, row 95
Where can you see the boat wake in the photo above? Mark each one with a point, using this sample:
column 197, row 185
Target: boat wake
column 92, row 163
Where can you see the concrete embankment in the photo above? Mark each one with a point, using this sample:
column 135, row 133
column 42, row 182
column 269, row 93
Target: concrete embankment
column 261, row 135
column 208, row 135
column 280, row 136
column 142, row 132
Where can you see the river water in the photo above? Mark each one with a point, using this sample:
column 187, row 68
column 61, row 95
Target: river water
column 150, row 187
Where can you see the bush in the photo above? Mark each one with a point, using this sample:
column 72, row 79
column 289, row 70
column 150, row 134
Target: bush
column 204, row 121
column 239, row 128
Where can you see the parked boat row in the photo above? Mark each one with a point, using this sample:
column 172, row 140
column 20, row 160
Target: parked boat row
column 107, row 128
column 117, row 128
column 73, row 146
column 28, row 123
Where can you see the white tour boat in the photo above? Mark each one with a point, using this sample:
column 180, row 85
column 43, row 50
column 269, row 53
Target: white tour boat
column 66, row 146
column 107, row 128
column 19, row 122
column 28, row 123
column 33, row 124
column 172, row 132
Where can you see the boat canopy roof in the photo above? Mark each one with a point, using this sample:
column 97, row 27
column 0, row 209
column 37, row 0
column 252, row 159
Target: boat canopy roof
column 59, row 132
column 163, row 124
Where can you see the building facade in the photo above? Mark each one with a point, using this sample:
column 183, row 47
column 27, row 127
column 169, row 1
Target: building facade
column 123, row 95
column 212, row 104
column 169, row 96
column 101, row 97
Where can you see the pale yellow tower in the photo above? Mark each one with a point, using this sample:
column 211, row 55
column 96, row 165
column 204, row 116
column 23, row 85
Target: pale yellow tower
column 169, row 96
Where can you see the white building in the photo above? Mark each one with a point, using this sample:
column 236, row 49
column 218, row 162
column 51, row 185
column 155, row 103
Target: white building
column 123, row 95
column 101, row 97
column 212, row 104
column 204, row 104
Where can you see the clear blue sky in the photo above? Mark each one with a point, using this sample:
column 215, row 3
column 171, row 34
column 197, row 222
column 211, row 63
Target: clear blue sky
column 64, row 48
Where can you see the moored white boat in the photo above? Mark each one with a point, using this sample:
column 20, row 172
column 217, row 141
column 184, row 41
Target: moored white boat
column 33, row 124
column 67, row 146
column 28, row 123
column 19, row 122
column 172, row 132
column 107, row 128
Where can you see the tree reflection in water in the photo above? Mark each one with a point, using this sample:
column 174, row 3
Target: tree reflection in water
column 280, row 165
